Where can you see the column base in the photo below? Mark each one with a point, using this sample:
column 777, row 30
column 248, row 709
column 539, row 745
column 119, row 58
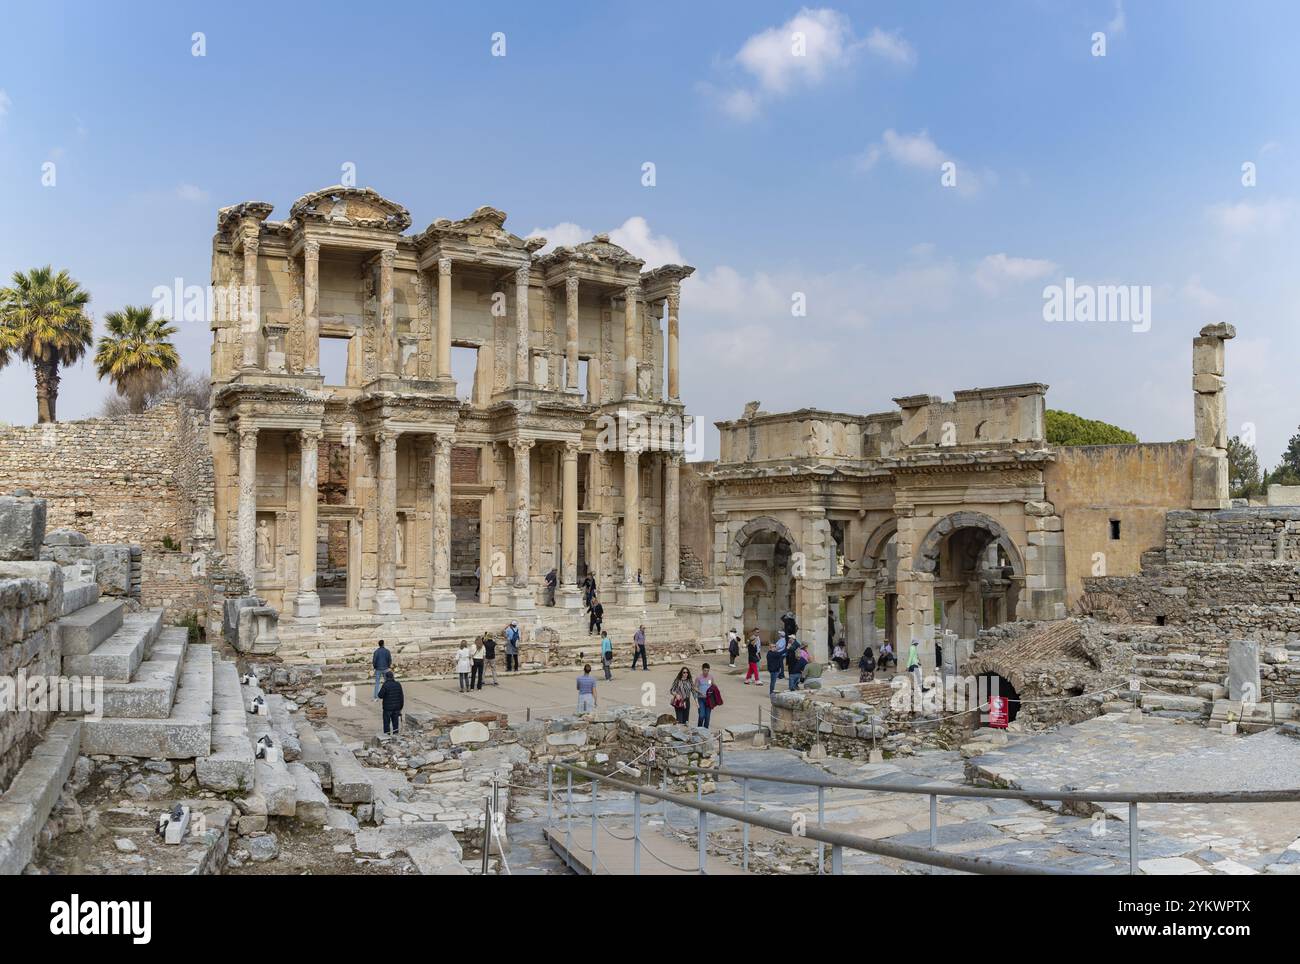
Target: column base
column 306, row 604
column 569, row 597
column 522, row 600
column 442, row 601
column 631, row 594
column 444, row 386
column 386, row 603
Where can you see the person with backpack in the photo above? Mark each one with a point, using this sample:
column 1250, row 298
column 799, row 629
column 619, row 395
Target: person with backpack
column 392, row 701
column 707, row 696
column 733, row 646
column 512, row 647
column 463, row 665
column 751, row 657
column 914, row 665
column 607, row 654
column 679, row 695
column 867, row 666
column 796, row 661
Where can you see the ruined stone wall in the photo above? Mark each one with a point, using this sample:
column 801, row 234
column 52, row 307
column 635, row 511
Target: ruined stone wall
column 696, row 524
column 113, row 479
column 1092, row 486
column 31, row 597
column 1255, row 534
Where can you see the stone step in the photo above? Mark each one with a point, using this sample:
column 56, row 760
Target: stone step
column 79, row 595
column 310, row 803
column 152, row 689
column 271, row 779
column 116, row 658
column 314, row 756
column 185, row 734
column 80, row 632
column 25, row 806
column 229, row 765
column 350, row 782
column 285, row 727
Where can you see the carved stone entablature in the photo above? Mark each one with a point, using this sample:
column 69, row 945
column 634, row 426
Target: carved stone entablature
column 554, row 423
column 482, row 230
column 230, row 218
column 599, row 260
column 408, row 413
column 662, row 282
column 359, row 207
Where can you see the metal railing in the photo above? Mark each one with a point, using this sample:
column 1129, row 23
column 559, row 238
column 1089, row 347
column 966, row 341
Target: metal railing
column 839, row 840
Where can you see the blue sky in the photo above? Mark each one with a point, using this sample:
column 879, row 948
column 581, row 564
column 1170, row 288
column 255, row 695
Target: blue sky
column 776, row 174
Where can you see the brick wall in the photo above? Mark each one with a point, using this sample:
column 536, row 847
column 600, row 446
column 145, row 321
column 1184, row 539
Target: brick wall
column 1255, row 534
column 31, row 596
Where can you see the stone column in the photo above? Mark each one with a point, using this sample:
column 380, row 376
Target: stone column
column 251, row 322
column 571, row 333
column 310, row 301
column 307, row 602
column 442, row 599
column 446, row 385
column 629, row 341
column 387, row 319
column 523, row 356
column 568, row 596
column 674, row 301
column 632, row 592
column 386, row 597
column 521, row 595
column 672, row 522
column 1210, row 463
column 247, row 510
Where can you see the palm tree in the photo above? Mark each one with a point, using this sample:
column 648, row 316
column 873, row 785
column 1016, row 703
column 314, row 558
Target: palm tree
column 43, row 321
column 136, row 352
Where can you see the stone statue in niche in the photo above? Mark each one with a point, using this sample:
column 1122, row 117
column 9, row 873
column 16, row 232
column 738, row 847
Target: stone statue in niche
column 265, row 546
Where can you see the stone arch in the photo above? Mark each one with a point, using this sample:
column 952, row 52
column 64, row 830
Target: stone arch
column 927, row 553
column 876, row 541
column 736, row 552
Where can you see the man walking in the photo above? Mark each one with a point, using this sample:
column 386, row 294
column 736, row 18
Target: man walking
column 392, row 701
column 477, row 657
column 490, row 656
column 512, row 647
column 586, row 690
column 597, row 615
column 638, row 647
column 382, row 661
column 551, row 580
column 606, row 654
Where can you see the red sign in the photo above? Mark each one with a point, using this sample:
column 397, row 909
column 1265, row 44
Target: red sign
column 998, row 707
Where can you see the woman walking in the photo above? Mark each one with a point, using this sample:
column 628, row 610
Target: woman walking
column 679, row 695
column 751, row 655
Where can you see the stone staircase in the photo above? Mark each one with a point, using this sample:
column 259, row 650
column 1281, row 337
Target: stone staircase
column 343, row 641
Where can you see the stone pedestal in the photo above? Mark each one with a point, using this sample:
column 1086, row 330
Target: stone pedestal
column 631, row 594
column 521, row 600
column 568, row 597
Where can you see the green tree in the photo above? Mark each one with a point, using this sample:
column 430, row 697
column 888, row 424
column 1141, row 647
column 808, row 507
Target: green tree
column 43, row 321
column 1291, row 457
column 1244, row 476
column 1066, row 428
column 136, row 353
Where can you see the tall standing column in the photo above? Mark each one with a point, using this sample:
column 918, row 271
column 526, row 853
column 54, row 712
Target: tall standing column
column 387, row 319
column 674, row 302
column 569, row 597
column 386, row 602
column 247, row 510
column 310, row 301
column 523, row 354
column 446, row 385
column 629, row 341
column 522, row 594
column 307, row 602
column 672, row 522
column 252, row 301
column 633, row 592
column 442, row 599
column 571, row 333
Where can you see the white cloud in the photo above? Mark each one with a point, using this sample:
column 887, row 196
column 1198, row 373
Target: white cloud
column 920, row 152
column 891, row 47
column 802, row 53
column 999, row 270
column 634, row 234
column 191, row 192
column 1250, row 217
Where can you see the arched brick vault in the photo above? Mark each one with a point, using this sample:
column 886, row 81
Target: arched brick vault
column 736, row 553
column 927, row 553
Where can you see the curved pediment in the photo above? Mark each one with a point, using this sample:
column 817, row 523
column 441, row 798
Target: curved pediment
column 359, row 207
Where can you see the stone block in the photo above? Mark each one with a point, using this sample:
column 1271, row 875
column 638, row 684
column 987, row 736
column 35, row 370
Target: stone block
column 471, row 732
column 22, row 527
column 1207, row 356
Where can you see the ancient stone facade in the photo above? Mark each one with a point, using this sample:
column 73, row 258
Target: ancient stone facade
column 556, row 438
